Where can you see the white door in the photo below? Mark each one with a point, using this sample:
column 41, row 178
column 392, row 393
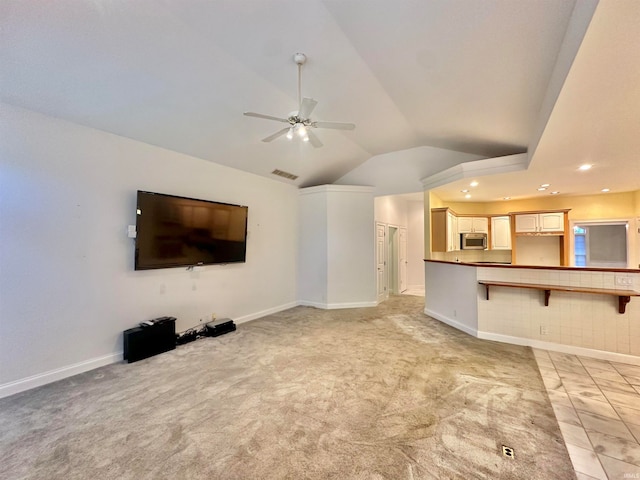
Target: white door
column 403, row 260
column 380, row 261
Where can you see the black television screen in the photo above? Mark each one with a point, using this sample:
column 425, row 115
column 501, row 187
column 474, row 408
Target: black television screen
column 177, row 231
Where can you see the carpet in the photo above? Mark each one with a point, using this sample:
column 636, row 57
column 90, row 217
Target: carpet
column 371, row 393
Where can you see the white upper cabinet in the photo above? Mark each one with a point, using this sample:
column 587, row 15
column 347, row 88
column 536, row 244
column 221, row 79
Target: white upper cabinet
column 540, row 222
column 552, row 222
column 473, row 225
column 500, row 233
column 453, row 240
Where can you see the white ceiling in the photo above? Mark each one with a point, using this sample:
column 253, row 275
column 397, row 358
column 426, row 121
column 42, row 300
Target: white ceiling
column 460, row 80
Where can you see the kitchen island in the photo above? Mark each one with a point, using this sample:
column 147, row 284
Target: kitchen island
column 583, row 318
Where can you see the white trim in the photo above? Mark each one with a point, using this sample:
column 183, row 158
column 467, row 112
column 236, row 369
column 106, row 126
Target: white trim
column 336, row 306
column 40, row 379
column 558, row 347
column 451, row 322
column 477, row 168
column 264, row 313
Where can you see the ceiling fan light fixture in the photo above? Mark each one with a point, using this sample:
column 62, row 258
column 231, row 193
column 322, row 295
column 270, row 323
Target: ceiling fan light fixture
column 300, row 122
column 301, row 130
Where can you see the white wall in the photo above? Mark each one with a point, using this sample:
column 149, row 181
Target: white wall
column 451, row 295
column 312, row 254
column 392, row 210
column 343, row 253
column 415, row 244
column 351, row 247
column 67, row 284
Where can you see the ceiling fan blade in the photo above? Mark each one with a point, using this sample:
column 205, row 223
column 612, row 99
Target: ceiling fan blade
column 279, row 133
column 313, row 139
column 335, row 125
column 267, row 117
column 307, row 106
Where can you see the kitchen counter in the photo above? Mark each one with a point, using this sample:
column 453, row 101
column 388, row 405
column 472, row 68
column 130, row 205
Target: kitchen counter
column 538, row 267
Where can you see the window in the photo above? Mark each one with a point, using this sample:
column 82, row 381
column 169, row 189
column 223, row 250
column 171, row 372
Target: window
column 600, row 244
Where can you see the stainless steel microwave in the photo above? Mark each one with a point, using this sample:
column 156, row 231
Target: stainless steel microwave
column 473, row 241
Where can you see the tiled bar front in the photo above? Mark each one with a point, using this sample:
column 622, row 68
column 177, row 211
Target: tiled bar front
column 578, row 319
column 578, row 323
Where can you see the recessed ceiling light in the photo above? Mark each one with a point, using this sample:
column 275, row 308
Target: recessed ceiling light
column 554, row 193
column 506, row 198
column 468, row 195
column 585, row 167
column 464, row 191
column 545, row 185
column 541, row 189
column 473, row 184
column 605, row 190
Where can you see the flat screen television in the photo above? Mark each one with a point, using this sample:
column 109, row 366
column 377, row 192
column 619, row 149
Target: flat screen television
column 176, row 231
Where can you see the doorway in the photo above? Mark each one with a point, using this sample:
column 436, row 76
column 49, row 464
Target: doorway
column 392, row 265
column 391, row 254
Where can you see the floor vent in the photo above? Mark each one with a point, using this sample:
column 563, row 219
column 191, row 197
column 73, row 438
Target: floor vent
column 508, row 452
column 284, row 174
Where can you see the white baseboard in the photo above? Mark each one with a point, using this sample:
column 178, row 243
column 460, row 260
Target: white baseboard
column 40, row 379
column 451, row 322
column 264, row 313
column 335, row 306
column 529, row 342
column 561, row 348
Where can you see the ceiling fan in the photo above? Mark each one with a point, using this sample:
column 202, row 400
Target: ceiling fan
column 299, row 122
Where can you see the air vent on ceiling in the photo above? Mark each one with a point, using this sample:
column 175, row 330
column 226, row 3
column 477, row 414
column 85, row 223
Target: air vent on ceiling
column 288, row 175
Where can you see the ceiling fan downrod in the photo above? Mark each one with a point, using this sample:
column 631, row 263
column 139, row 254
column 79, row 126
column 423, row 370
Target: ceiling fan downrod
column 300, row 59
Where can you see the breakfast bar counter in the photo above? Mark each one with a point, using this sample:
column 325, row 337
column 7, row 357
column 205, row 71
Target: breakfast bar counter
column 592, row 313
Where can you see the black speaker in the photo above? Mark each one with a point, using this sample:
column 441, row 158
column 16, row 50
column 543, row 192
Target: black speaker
column 143, row 342
column 215, row 329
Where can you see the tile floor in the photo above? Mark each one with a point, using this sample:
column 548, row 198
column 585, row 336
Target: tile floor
column 597, row 404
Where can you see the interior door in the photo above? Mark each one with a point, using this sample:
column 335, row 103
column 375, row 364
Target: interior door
column 403, row 260
column 381, row 263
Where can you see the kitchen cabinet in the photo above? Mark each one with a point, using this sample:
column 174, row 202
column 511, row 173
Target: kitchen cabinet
column 540, row 236
column 452, row 233
column 550, row 222
column 501, row 233
column 473, row 225
column 444, row 231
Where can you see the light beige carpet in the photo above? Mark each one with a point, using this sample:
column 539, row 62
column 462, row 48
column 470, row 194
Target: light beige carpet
column 375, row 393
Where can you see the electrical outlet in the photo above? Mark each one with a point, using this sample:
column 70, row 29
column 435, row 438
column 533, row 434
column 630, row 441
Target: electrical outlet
column 624, row 280
column 455, row 313
column 544, row 330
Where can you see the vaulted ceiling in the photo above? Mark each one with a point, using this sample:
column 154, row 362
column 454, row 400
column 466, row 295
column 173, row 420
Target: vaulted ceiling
column 429, row 84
